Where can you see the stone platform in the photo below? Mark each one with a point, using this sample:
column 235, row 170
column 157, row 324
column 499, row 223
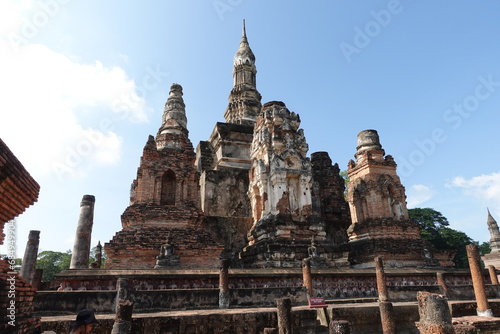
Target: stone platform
column 363, row 319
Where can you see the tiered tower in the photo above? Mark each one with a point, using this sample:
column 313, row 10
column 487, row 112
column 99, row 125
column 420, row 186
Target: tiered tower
column 380, row 223
column 164, row 201
column 223, row 161
column 244, row 100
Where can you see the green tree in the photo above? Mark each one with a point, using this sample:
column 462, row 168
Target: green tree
column 434, row 228
column 484, row 248
column 52, row 263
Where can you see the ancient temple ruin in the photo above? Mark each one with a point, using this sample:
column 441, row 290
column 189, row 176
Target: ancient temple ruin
column 250, row 217
column 252, row 195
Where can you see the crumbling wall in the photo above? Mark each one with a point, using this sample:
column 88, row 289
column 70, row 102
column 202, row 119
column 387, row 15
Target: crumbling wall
column 16, row 294
column 235, row 323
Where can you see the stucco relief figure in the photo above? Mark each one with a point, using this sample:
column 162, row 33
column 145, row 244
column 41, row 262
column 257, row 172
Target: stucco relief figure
column 292, row 198
column 397, row 209
column 311, row 250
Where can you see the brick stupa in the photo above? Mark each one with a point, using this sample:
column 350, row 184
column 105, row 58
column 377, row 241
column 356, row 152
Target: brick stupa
column 380, row 223
column 163, row 214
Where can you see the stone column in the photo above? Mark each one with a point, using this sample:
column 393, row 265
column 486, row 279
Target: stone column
column 121, row 291
column 37, row 279
column 306, row 275
column 435, row 316
column 442, row 284
column 81, row 247
column 478, row 281
column 224, row 284
column 387, row 317
column 123, row 319
column 284, row 315
column 339, row 327
column 30, row 254
column 385, row 307
column 493, row 274
column 381, row 282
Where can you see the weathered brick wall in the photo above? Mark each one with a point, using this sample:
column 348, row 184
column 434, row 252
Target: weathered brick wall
column 224, row 193
column 18, row 190
column 154, row 163
column 223, row 163
column 328, row 197
column 19, row 291
column 137, row 249
column 232, row 231
column 164, row 201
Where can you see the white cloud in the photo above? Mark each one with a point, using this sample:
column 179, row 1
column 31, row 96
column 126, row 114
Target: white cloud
column 418, row 194
column 486, row 188
column 57, row 115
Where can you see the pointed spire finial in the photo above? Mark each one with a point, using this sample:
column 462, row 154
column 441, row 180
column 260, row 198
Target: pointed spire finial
column 174, row 116
column 494, row 233
column 244, row 31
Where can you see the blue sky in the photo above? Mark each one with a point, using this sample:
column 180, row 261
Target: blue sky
column 83, row 84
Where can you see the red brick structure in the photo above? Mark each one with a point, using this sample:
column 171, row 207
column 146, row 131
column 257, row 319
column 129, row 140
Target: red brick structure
column 18, row 190
column 251, row 194
column 380, row 224
column 164, row 202
column 328, row 197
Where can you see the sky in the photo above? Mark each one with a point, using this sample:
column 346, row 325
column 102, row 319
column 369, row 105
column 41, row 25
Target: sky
column 83, row 84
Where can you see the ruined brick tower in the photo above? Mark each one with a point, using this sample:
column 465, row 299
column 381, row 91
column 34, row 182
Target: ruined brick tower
column 164, row 201
column 380, row 224
column 328, row 197
column 224, row 160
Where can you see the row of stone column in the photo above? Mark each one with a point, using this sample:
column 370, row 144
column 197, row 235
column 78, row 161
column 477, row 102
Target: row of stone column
column 435, row 316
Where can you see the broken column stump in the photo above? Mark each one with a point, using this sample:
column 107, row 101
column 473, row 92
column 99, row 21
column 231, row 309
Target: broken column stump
column 270, row 331
column 339, row 327
column 435, row 316
column 121, row 291
column 387, row 317
column 442, row 284
column 224, row 284
column 123, row 319
column 493, row 274
column 284, row 315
